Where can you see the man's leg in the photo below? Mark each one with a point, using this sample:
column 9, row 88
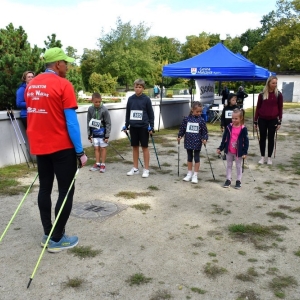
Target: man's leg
column 135, row 155
column 146, row 155
column 65, row 166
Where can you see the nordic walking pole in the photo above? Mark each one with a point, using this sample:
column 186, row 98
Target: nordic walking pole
column 115, row 150
column 56, row 219
column 209, row 162
column 220, row 156
column 15, row 213
column 13, row 117
column 9, row 115
column 178, row 157
column 130, row 143
column 257, row 134
column 275, row 143
column 155, row 151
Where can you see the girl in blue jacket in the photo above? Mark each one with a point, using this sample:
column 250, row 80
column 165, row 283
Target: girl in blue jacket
column 20, row 100
column 235, row 143
column 194, row 130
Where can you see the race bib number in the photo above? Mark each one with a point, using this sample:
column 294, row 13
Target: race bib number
column 136, row 115
column 192, row 127
column 228, row 114
column 94, row 123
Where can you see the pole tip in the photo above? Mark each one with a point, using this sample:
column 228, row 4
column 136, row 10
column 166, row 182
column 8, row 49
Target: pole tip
column 28, row 285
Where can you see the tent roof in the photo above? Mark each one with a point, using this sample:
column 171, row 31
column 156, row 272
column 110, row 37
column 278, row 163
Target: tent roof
column 217, row 63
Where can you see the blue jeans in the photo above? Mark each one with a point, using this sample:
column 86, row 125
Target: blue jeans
column 62, row 164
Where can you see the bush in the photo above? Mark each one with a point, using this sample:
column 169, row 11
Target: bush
column 169, row 96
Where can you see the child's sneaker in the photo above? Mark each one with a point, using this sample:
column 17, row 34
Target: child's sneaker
column 133, row 171
column 95, row 167
column 194, row 179
column 145, row 173
column 227, row 184
column 238, row 185
column 102, row 169
column 44, row 239
column 188, row 177
column 261, row 161
column 269, row 161
column 66, row 242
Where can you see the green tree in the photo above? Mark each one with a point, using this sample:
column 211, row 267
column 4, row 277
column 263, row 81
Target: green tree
column 103, row 83
column 195, row 45
column 74, row 75
column 126, row 53
column 16, row 57
column 88, row 63
column 52, row 42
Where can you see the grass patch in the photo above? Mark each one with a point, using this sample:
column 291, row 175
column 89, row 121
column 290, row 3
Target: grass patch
column 165, row 164
column 297, row 210
column 295, row 163
column 252, row 260
column 132, row 195
column 297, row 253
column 161, row 294
column 272, row 196
column 141, row 206
column 280, row 282
column 278, row 214
column 84, row 251
column 75, row 282
column 138, row 279
column 242, row 252
column 212, row 270
column 197, row 290
column 248, row 295
column 212, row 254
column 153, row 188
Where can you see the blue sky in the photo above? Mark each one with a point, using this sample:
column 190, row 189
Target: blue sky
column 79, row 23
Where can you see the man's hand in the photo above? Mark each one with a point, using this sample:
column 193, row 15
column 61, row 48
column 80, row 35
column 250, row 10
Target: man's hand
column 82, row 159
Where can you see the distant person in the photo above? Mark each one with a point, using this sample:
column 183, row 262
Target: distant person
column 194, row 130
column 225, row 93
column 241, row 95
column 235, row 144
column 268, row 116
column 156, row 91
column 140, row 122
column 99, row 126
column 54, row 137
column 20, row 99
column 163, row 91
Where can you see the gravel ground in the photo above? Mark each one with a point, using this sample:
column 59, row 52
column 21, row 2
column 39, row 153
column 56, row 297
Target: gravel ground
column 182, row 243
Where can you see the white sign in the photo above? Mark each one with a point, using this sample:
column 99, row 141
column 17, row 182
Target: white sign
column 205, row 90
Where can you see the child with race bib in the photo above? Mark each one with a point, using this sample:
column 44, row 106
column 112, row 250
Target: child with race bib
column 98, row 126
column 140, row 121
column 235, row 143
column 194, row 130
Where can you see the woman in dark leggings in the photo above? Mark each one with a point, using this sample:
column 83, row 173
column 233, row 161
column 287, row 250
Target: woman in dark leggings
column 268, row 116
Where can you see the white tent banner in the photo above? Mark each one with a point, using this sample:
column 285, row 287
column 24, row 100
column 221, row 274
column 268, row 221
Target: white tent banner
column 205, row 90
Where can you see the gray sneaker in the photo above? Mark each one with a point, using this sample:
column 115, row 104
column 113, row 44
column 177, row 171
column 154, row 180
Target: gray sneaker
column 95, row 167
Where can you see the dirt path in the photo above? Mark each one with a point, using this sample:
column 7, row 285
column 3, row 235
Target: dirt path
column 182, row 242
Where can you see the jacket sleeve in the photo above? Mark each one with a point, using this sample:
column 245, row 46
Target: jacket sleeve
column 280, row 106
column 258, row 106
column 224, row 139
column 127, row 116
column 20, row 101
column 182, row 128
column 88, row 119
column 150, row 113
column 223, row 118
column 203, row 130
column 245, row 95
column 107, row 121
column 245, row 142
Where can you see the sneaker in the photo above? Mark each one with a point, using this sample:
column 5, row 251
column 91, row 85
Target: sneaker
column 95, row 167
column 194, row 179
column 66, row 242
column 102, row 169
column 133, row 171
column 269, row 161
column 188, row 177
column 261, row 161
column 44, row 239
column 227, row 184
column 145, row 173
column 238, row 185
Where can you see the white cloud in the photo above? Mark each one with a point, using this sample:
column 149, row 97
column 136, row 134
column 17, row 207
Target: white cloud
column 80, row 25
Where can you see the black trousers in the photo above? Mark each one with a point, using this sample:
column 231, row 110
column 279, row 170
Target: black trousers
column 62, row 164
column 267, row 128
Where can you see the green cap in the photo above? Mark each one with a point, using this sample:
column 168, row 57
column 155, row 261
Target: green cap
column 56, row 54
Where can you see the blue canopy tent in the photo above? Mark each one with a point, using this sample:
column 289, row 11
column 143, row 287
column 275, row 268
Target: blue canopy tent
column 218, row 64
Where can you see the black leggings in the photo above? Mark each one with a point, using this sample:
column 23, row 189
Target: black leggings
column 193, row 153
column 62, row 164
column 266, row 128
